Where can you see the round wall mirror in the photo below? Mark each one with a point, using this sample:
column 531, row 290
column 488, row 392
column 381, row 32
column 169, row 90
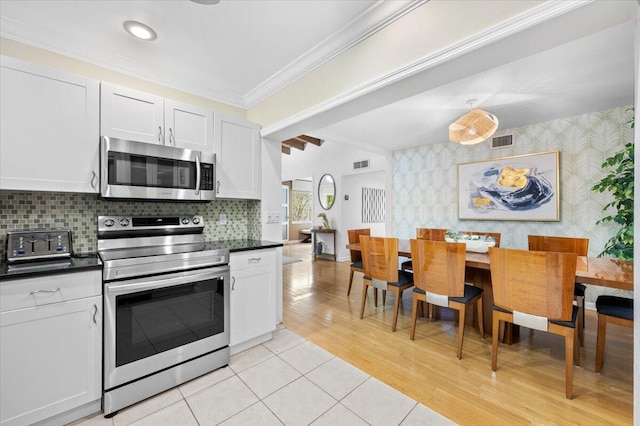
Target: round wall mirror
column 326, row 191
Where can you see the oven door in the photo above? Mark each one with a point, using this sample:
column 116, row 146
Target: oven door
column 140, row 170
column 157, row 322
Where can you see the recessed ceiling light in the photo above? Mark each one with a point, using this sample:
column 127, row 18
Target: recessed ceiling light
column 140, row 30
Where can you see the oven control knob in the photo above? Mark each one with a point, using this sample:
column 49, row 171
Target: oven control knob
column 185, row 220
column 109, row 222
column 196, row 220
column 124, row 222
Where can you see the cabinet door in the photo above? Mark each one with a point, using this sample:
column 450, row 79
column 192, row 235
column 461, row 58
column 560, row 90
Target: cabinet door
column 131, row 114
column 49, row 359
column 49, row 129
column 238, row 158
column 252, row 303
column 188, row 126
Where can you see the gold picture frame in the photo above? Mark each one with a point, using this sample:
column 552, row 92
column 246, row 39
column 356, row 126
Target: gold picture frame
column 523, row 187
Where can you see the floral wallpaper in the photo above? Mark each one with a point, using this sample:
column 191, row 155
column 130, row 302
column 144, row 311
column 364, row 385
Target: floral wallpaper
column 425, row 180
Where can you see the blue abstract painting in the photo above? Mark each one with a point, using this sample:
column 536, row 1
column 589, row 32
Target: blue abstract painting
column 514, row 188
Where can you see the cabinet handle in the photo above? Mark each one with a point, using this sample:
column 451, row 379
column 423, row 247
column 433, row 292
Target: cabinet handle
column 159, row 133
column 172, row 139
column 255, row 260
column 55, row 290
column 94, row 178
column 233, row 283
column 94, row 313
column 217, row 187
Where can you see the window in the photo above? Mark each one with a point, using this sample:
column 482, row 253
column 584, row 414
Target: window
column 301, row 205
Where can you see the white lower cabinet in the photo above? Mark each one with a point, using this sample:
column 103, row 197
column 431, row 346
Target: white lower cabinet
column 50, row 348
column 253, row 298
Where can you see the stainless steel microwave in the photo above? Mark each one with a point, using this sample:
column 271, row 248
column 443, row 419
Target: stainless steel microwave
column 140, row 170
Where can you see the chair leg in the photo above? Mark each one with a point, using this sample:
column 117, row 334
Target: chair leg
column 384, row 297
column 396, row 307
column 602, row 332
column 494, row 341
column 462, row 309
column 375, row 297
column 580, row 325
column 414, row 315
column 479, row 308
column 350, row 282
column 569, row 339
column 364, row 298
column 576, row 348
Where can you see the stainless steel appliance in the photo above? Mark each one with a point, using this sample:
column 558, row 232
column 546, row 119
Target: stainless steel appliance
column 38, row 244
column 139, row 170
column 166, row 305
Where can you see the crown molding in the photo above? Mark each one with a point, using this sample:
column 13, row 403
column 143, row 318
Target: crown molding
column 527, row 19
column 369, row 22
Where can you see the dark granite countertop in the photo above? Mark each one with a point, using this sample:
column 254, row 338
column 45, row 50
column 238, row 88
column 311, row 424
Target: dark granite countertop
column 79, row 262
column 246, row 245
column 91, row 261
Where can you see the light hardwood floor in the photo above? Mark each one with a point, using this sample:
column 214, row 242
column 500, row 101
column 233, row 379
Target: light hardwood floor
column 527, row 388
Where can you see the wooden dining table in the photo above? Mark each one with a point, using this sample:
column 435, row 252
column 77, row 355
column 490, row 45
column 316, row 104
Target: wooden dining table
column 606, row 272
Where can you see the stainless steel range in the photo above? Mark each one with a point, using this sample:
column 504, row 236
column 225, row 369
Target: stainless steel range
column 166, row 305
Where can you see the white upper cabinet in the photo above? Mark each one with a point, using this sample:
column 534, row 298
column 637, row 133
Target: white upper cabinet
column 49, row 129
column 238, row 158
column 139, row 116
column 131, row 114
column 188, row 126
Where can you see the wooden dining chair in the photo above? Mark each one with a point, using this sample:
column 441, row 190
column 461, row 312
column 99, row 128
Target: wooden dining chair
column 439, row 279
column 380, row 262
column 534, row 289
column 356, row 255
column 579, row 246
column 611, row 310
column 431, row 234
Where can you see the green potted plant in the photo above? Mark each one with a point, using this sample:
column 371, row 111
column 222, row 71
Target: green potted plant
column 619, row 181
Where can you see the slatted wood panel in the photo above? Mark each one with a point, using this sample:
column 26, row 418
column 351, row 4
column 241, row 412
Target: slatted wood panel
column 433, row 234
column 380, row 257
column 317, row 308
column 354, row 238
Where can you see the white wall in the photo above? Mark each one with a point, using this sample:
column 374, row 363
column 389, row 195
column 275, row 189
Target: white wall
column 352, row 209
column 337, row 159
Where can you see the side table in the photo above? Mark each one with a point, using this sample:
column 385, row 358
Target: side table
column 314, row 240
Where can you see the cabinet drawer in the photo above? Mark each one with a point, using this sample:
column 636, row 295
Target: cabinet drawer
column 43, row 290
column 250, row 259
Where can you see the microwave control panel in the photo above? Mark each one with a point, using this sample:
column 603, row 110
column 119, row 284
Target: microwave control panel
column 206, row 177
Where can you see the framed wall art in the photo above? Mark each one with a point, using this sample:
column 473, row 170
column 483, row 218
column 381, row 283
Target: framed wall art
column 523, row 187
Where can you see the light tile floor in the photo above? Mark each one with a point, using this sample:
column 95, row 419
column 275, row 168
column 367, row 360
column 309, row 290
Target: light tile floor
column 287, row 380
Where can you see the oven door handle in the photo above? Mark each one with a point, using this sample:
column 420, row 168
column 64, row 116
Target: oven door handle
column 162, row 283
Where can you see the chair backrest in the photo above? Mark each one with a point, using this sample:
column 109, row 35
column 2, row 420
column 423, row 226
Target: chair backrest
column 579, row 246
column 495, row 235
column 354, row 238
column 438, row 266
column 533, row 282
column 433, row 234
column 380, row 257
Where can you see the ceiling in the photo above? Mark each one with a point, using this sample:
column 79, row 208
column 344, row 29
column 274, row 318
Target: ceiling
column 237, row 52
column 589, row 74
column 240, row 52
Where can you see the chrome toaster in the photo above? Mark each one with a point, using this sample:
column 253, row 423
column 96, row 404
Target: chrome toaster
column 38, row 244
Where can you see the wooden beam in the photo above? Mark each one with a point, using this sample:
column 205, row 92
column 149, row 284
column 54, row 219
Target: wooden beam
column 310, row 139
column 295, row 143
column 286, row 150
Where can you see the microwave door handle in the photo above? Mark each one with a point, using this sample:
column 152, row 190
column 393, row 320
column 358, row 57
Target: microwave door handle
column 197, row 175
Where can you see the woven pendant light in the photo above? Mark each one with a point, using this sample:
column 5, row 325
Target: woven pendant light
column 473, row 127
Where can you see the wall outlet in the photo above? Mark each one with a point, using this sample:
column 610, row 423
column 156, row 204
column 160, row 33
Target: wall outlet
column 223, row 219
column 273, row 217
